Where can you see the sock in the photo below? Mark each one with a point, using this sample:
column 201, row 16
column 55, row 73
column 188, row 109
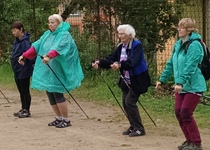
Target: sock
column 58, row 117
column 66, row 119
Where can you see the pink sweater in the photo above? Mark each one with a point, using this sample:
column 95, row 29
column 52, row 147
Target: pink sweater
column 31, row 53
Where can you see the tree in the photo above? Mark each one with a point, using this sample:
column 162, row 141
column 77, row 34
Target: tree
column 67, row 7
column 32, row 13
column 154, row 20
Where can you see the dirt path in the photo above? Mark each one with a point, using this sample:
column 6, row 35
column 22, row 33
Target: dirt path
column 101, row 132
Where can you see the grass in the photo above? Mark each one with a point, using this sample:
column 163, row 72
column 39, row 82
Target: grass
column 160, row 108
column 6, row 75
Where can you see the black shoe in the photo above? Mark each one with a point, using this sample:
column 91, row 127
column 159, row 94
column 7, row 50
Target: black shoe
column 128, row 131
column 16, row 114
column 137, row 133
column 184, row 144
column 24, row 114
column 63, row 124
column 192, row 146
column 55, row 122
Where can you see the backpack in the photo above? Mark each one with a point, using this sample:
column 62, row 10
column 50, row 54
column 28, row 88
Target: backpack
column 205, row 64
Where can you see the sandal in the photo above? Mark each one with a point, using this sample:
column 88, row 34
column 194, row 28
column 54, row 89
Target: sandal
column 55, row 122
column 63, row 124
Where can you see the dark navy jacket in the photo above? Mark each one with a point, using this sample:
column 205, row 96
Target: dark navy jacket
column 135, row 64
column 20, row 46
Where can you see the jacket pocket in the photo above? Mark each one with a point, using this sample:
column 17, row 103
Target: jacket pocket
column 140, row 83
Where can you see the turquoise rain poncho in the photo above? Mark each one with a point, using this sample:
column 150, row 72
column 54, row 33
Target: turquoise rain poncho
column 66, row 65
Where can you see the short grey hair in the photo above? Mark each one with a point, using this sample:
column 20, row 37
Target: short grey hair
column 129, row 30
column 56, row 17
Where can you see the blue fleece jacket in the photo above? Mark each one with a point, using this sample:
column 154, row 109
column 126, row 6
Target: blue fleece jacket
column 20, row 46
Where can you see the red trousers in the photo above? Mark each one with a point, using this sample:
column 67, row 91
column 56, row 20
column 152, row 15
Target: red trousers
column 184, row 107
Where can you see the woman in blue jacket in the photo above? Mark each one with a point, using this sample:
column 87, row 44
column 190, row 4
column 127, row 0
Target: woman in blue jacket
column 21, row 73
column 184, row 65
column 129, row 59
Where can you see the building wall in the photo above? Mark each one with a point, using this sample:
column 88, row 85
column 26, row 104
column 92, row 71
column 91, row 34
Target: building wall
column 76, row 22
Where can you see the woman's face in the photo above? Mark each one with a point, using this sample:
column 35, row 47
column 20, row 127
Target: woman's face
column 183, row 32
column 53, row 24
column 124, row 37
column 17, row 32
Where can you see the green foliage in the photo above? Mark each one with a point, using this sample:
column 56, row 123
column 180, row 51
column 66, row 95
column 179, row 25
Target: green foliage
column 7, row 16
column 154, row 21
column 87, row 47
column 40, row 11
column 33, row 14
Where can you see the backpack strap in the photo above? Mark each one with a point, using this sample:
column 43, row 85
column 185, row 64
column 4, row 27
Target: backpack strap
column 203, row 46
column 188, row 44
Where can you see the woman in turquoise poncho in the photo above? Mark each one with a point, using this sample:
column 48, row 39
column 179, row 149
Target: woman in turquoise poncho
column 60, row 52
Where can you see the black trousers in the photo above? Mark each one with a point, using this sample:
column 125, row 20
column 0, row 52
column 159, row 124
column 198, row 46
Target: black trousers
column 129, row 103
column 23, row 86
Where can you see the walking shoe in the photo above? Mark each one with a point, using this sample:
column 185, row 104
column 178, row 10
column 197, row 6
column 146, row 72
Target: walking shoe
column 192, row 146
column 16, row 114
column 55, row 122
column 24, row 114
column 63, row 124
column 136, row 133
column 184, row 144
column 128, row 131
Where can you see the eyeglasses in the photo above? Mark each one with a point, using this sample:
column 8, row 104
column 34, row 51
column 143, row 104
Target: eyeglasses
column 181, row 27
column 120, row 33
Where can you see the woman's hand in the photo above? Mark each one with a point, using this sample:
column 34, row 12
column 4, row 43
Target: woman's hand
column 115, row 66
column 177, row 88
column 21, row 60
column 95, row 64
column 46, row 59
column 158, row 84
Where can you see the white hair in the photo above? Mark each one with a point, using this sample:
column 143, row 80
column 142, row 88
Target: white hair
column 128, row 29
column 56, row 17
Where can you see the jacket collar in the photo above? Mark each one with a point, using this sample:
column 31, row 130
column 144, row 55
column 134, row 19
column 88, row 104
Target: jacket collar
column 130, row 44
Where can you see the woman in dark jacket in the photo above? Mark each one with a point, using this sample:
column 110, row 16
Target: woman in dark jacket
column 129, row 59
column 21, row 73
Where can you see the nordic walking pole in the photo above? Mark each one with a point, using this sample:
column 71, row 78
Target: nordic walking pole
column 5, row 96
column 206, row 98
column 138, row 100
column 204, row 101
column 66, row 88
column 147, row 113
column 114, row 96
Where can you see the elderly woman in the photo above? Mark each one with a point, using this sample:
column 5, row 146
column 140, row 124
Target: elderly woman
column 129, row 59
column 56, row 48
column 184, row 65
